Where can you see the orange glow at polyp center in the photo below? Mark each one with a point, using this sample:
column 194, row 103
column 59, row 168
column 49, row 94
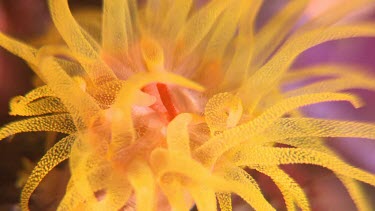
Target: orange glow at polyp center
column 164, row 104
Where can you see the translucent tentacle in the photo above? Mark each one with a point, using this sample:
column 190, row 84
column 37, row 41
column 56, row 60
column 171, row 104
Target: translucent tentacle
column 176, row 17
column 86, row 50
column 173, row 190
column 18, row 48
column 40, row 92
column 212, row 149
column 83, row 163
column 141, row 178
column 335, row 13
column 272, row 71
column 270, row 156
column 225, row 201
column 39, row 101
column 178, row 135
column 197, row 27
column 357, row 194
column 154, row 14
column 81, row 106
column 57, row 154
column 326, row 70
column 61, row 123
column 164, row 162
column 288, row 187
column 311, row 127
column 39, row 107
column 231, row 180
column 223, row 111
column 238, row 68
column 247, row 188
column 91, row 21
column 353, row 187
column 117, row 193
column 224, row 30
column 72, row 199
column 334, row 85
column 204, row 197
column 274, row 32
column 153, row 54
column 117, row 27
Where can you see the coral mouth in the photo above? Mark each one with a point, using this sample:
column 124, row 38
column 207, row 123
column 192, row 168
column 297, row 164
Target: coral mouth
column 164, row 104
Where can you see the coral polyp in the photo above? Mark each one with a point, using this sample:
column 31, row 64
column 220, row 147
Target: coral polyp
column 166, row 104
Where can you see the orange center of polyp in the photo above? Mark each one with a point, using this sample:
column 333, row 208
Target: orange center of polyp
column 164, row 105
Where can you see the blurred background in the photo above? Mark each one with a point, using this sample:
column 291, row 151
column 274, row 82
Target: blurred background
column 29, row 19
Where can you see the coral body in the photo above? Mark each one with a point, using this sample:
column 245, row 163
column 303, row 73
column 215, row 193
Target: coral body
column 166, row 103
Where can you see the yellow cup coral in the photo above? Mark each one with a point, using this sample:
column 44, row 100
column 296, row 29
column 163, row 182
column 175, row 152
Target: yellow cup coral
column 168, row 101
